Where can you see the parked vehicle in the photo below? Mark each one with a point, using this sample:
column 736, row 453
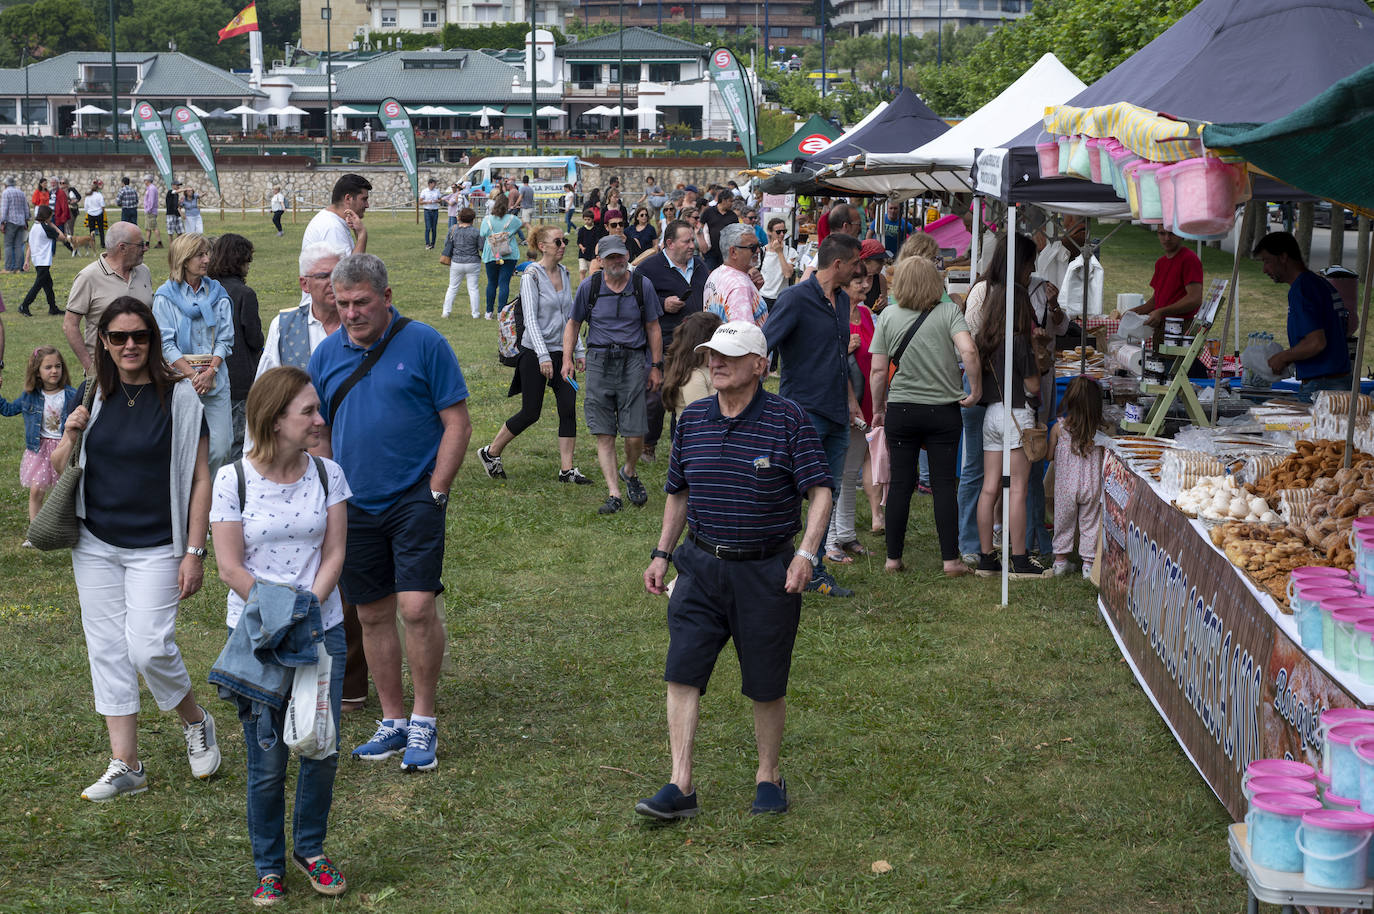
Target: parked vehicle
column 547, row 174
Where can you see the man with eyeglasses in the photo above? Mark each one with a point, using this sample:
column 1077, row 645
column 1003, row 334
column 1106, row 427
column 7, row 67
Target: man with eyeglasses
column 730, row 292
column 118, row 271
column 716, row 218
column 678, row 276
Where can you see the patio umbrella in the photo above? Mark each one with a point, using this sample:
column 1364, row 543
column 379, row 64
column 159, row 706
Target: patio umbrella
column 598, row 110
column 218, row 113
column 90, row 109
column 199, row 112
column 345, row 110
column 243, row 109
column 268, row 111
column 292, row 109
column 551, row 111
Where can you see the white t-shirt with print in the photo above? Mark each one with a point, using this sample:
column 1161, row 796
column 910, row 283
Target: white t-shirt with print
column 283, row 528
column 52, row 413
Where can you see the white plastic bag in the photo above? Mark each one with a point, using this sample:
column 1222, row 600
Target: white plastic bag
column 1255, row 360
column 309, row 727
column 1133, row 327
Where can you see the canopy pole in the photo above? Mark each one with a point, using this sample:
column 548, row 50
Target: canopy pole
column 1083, row 315
column 1006, row 397
column 1359, row 363
column 975, row 247
column 1226, row 318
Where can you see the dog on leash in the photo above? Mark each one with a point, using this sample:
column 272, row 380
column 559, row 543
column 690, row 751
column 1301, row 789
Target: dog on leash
column 83, row 243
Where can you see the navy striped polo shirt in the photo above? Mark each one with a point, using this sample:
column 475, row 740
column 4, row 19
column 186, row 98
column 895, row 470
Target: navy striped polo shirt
column 745, row 476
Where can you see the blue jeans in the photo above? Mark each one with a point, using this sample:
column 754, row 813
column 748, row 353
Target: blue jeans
column 971, row 477
column 1038, row 539
column 431, row 227
column 1308, row 389
column 14, row 246
column 835, row 442
column 498, row 283
column 314, row 783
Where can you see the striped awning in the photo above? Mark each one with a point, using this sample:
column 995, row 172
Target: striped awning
column 1153, row 136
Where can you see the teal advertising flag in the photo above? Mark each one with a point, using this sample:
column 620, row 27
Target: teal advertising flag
column 396, row 123
column 155, row 136
column 192, row 131
column 733, row 83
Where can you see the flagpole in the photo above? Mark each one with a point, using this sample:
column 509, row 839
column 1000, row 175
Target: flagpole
column 328, row 14
column 114, row 82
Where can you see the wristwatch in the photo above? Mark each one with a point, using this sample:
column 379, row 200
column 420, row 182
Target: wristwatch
column 440, row 498
column 197, row 551
column 658, row 365
column 810, row 557
column 660, row 554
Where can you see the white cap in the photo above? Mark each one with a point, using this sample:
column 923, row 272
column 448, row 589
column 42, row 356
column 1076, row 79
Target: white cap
column 737, row 338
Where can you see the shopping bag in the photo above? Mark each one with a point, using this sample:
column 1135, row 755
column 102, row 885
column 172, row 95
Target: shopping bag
column 309, row 727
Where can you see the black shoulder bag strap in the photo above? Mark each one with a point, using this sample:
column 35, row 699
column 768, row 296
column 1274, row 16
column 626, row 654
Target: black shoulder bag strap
column 243, row 480
column 896, row 357
column 368, row 361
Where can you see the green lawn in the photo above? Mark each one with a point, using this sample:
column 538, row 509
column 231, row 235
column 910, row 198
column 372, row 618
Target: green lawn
column 997, row 759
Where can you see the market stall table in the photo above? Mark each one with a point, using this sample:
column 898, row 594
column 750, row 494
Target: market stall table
column 1288, row 889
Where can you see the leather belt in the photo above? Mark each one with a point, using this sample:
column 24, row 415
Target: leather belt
column 736, row 554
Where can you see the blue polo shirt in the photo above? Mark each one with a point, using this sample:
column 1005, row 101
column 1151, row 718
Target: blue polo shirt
column 745, row 476
column 386, row 433
column 812, row 336
column 1313, row 304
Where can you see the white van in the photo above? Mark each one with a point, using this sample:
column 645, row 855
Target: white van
column 547, row 174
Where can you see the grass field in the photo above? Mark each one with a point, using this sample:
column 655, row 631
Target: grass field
column 998, row 759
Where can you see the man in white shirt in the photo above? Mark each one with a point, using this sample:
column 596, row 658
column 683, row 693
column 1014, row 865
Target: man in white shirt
column 318, row 315
column 1061, row 265
column 340, row 224
column 429, row 202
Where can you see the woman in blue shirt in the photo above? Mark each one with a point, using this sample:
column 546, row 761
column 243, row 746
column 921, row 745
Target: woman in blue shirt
column 196, row 320
column 500, row 233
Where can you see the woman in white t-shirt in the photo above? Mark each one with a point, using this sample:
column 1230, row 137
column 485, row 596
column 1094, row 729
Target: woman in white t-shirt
column 289, row 528
column 94, row 204
column 43, row 238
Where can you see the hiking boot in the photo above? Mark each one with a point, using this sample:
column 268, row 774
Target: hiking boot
column 611, row 505
column 823, row 582
column 202, row 749
column 573, row 476
column 988, row 565
column 668, row 804
column 639, row 496
column 1023, row 566
column 492, row 464
column 118, row 779
column 385, row 743
column 422, row 743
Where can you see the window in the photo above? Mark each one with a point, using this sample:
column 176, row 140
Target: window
column 37, row 111
column 429, row 18
column 97, row 78
column 389, row 18
column 777, row 31
column 968, row 4
column 631, row 73
column 586, row 74
column 1011, row 6
column 9, row 111
column 488, row 14
column 665, row 72
column 711, row 11
column 434, row 63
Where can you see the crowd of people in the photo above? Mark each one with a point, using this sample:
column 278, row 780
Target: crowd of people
column 326, row 484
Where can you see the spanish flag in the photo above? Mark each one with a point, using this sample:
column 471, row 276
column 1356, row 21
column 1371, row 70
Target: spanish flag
column 245, row 21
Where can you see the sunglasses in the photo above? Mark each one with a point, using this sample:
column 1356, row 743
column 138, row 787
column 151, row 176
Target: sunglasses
column 559, row 241
column 779, row 231
column 121, row 337
column 614, row 224
column 748, row 247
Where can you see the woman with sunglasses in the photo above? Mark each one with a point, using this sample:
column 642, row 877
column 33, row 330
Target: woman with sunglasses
column 641, row 237
column 546, row 301
column 144, row 506
column 196, row 316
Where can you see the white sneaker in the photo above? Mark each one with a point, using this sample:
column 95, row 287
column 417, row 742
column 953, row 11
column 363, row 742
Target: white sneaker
column 1062, row 567
column 118, row 779
column 202, row 749
column 1087, row 571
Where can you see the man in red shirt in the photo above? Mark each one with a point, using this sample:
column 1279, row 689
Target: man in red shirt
column 1177, row 282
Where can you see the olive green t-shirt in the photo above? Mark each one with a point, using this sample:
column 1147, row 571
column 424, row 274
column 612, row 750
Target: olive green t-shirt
column 929, row 371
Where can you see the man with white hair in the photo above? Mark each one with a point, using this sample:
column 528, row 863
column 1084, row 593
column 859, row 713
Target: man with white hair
column 731, row 293
column 119, row 271
column 14, row 215
column 742, row 461
column 296, row 332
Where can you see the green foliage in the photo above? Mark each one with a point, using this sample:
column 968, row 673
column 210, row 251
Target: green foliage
column 741, row 43
column 280, row 22
column 192, row 24
column 47, row 28
column 405, row 40
column 775, row 126
column 505, row 35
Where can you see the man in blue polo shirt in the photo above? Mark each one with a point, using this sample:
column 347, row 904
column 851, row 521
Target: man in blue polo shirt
column 1317, row 319
column 398, row 425
column 809, row 327
column 742, row 461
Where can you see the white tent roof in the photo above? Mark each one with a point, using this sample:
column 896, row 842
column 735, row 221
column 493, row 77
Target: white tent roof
column 944, row 162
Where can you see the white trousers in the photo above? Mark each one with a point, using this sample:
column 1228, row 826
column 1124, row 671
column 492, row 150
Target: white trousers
column 846, row 491
column 456, row 273
column 129, row 613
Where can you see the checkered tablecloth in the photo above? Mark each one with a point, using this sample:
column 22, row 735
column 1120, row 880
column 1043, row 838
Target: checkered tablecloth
column 1098, row 322
column 1230, row 365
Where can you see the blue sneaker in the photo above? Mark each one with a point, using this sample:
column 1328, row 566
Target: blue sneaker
column 824, row 582
column 385, row 743
column 769, row 797
column 668, row 804
column 420, row 748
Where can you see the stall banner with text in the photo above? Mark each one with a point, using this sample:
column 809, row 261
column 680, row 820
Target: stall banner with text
column 1199, row 639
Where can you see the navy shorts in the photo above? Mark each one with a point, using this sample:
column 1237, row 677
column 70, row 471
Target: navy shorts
column 399, row 549
column 715, row 600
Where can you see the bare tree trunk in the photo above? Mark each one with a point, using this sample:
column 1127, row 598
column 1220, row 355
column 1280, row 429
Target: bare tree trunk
column 1259, row 226
column 1303, row 230
column 1362, row 246
column 1337, row 236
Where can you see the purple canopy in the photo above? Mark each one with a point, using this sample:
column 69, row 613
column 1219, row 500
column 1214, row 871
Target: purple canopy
column 901, row 127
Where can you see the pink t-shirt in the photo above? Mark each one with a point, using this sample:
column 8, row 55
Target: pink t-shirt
column 732, row 296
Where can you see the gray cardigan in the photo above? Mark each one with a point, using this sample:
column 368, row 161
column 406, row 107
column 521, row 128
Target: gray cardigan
column 186, row 416
column 546, row 312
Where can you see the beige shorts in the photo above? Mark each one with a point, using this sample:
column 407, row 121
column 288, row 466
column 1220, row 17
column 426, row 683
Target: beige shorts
column 996, row 438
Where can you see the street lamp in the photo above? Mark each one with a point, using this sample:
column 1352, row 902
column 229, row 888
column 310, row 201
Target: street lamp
column 534, row 82
column 24, row 62
column 327, row 14
column 114, row 82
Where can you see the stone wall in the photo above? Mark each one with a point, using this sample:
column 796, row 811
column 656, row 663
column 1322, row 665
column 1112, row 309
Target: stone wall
column 247, row 182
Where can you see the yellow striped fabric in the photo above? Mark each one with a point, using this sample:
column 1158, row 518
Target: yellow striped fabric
column 1147, row 134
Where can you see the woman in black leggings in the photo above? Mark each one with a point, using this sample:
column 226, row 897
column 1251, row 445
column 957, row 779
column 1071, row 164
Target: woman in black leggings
column 546, row 300
column 43, row 238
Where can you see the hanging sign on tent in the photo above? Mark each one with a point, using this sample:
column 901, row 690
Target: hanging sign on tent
column 192, row 131
column 990, row 172
column 396, row 123
column 732, row 82
column 155, row 137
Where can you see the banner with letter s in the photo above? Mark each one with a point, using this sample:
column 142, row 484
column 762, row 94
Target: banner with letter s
column 192, row 131
column 155, row 138
column 733, row 84
column 396, row 123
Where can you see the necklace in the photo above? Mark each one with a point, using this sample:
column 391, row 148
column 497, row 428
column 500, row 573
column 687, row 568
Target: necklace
column 135, row 396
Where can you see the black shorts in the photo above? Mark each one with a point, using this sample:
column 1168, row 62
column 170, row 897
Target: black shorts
column 399, row 549
column 714, row 601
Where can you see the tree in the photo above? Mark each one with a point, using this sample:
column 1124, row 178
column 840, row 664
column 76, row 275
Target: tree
column 193, row 25
column 46, row 28
column 280, row 21
column 775, row 126
column 505, row 35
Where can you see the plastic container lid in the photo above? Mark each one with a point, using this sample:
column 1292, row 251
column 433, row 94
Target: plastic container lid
column 1283, row 785
column 1323, row 780
column 1333, row 716
column 1349, row 732
column 1363, row 747
column 1326, row 571
column 1350, row 803
column 1338, row 819
column 1285, row 804
column 1281, row 767
column 1363, row 605
column 1342, row 613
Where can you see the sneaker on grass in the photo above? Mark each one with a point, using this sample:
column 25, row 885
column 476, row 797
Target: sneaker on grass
column 385, row 743
column 611, row 505
column 421, row 746
column 824, row 582
column 1024, row 567
column 492, row 464
column 202, row 749
column 639, row 496
column 668, row 804
column 573, row 476
column 117, row 780
column 988, row 565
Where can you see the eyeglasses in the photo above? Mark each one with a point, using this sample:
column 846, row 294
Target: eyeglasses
column 614, row 224
column 317, row 275
column 141, row 244
column 751, row 248
column 119, row 338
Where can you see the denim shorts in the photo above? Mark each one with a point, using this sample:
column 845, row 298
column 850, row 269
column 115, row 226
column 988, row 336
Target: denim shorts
column 399, row 549
column 614, row 400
